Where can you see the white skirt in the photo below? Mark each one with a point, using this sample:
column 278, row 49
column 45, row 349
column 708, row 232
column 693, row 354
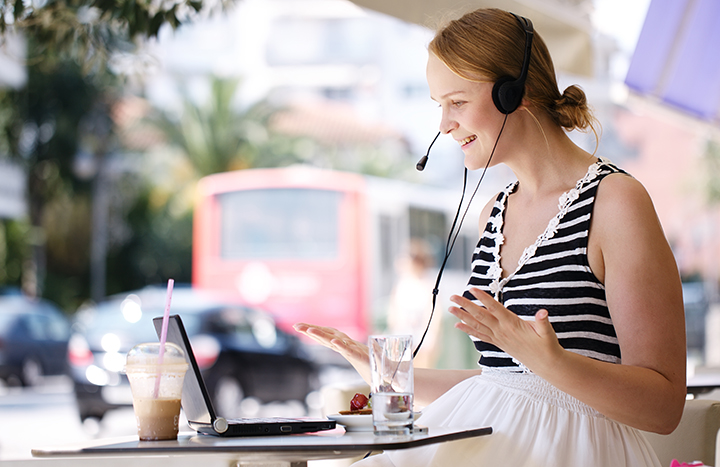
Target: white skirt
column 534, row 424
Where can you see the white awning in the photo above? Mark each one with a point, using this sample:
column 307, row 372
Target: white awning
column 565, row 29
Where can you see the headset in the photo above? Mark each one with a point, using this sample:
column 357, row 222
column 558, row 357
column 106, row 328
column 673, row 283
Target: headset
column 507, row 94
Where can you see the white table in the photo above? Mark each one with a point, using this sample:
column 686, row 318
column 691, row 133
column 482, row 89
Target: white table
column 260, row 451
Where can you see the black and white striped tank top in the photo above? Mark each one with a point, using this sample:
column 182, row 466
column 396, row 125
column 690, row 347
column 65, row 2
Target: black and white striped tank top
column 553, row 273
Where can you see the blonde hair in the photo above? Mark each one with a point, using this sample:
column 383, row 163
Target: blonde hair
column 489, row 43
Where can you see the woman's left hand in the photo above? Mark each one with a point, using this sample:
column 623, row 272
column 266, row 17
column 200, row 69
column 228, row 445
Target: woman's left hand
column 533, row 343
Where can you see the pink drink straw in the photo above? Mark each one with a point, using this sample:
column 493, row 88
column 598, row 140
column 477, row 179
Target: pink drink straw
column 163, row 334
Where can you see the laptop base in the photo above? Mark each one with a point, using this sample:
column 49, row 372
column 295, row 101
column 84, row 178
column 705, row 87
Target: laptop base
column 261, row 427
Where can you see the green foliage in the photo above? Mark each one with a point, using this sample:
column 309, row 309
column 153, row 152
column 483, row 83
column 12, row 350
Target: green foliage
column 216, row 136
column 42, row 124
column 14, row 251
column 88, row 31
column 159, row 248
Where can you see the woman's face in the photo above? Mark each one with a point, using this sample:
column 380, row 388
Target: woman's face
column 468, row 112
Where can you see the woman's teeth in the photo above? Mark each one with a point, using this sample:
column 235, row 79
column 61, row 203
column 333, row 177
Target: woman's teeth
column 467, row 140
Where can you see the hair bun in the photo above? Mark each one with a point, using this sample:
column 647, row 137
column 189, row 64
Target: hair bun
column 571, row 109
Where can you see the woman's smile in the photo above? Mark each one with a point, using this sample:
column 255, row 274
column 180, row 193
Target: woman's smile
column 465, row 141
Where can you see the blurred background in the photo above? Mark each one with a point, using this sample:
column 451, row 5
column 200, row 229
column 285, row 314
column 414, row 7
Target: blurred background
column 262, row 154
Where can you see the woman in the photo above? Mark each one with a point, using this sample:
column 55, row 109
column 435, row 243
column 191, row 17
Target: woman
column 574, row 301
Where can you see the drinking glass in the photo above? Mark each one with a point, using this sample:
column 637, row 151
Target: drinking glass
column 391, row 368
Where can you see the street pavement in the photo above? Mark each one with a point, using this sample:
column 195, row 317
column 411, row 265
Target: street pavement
column 46, row 415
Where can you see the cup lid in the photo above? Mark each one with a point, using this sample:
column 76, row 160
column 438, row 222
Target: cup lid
column 148, row 354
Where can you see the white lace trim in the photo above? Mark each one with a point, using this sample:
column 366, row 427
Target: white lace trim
column 564, row 202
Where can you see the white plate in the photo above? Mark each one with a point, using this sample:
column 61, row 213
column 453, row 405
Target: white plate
column 354, row 422
column 358, row 422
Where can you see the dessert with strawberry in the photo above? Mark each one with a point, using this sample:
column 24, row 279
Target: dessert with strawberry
column 359, row 405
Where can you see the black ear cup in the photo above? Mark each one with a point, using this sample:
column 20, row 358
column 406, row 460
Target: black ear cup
column 507, row 94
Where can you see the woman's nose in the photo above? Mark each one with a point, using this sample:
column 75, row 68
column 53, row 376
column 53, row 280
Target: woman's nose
column 447, row 124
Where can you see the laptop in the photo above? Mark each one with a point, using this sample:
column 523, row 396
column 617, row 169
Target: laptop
column 199, row 410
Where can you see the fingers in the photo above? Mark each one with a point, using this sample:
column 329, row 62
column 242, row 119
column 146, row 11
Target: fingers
column 329, row 337
column 467, row 310
column 353, row 351
column 485, row 320
column 481, row 295
column 319, row 332
column 486, row 300
column 473, row 318
column 476, row 330
column 542, row 323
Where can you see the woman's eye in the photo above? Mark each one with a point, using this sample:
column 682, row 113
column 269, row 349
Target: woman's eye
column 454, row 104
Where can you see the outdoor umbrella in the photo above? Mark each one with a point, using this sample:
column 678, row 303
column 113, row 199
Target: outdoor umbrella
column 677, row 59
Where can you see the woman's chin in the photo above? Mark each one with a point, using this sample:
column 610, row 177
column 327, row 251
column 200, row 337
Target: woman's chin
column 472, row 163
column 476, row 162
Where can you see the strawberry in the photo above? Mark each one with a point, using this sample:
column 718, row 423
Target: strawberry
column 358, row 401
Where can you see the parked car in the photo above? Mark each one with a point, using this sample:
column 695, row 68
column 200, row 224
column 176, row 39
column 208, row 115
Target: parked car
column 240, row 351
column 33, row 340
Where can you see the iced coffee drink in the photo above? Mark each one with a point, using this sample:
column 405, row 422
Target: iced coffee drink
column 157, row 418
column 156, row 382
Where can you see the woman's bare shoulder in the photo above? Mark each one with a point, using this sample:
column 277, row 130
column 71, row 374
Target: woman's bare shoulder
column 621, row 199
column 625, row 228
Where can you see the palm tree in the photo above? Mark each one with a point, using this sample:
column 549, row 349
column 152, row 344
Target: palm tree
column 217, row 137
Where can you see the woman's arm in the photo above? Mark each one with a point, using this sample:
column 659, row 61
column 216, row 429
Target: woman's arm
column 644, row 295
column 429, row 383
column 629, row 253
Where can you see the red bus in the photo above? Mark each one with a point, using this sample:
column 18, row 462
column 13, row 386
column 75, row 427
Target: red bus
column 316, row 245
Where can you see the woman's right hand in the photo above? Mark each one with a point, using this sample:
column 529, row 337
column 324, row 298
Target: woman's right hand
column 356, row 353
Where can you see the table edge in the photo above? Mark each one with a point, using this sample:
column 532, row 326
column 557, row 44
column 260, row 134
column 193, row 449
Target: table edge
column 121, row 449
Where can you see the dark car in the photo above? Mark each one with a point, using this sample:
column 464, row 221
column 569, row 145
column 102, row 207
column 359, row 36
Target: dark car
column 240, row 351
column 33, row 340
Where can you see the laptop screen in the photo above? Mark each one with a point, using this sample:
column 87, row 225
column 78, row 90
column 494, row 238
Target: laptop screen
column 195, row 398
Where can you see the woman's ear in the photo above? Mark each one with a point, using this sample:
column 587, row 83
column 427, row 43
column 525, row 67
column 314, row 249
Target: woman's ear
column 525, row 102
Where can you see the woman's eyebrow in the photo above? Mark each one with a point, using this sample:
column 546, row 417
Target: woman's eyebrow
column 445, row 96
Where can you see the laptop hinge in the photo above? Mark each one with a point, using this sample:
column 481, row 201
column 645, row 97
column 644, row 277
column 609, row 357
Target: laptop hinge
column 220, row 425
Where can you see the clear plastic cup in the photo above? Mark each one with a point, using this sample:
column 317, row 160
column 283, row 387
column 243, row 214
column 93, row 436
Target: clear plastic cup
column 391, row 367
column 156, row 389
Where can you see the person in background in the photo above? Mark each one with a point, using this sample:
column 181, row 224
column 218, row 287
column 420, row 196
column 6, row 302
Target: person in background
column 411, row 303
column 574, row 302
